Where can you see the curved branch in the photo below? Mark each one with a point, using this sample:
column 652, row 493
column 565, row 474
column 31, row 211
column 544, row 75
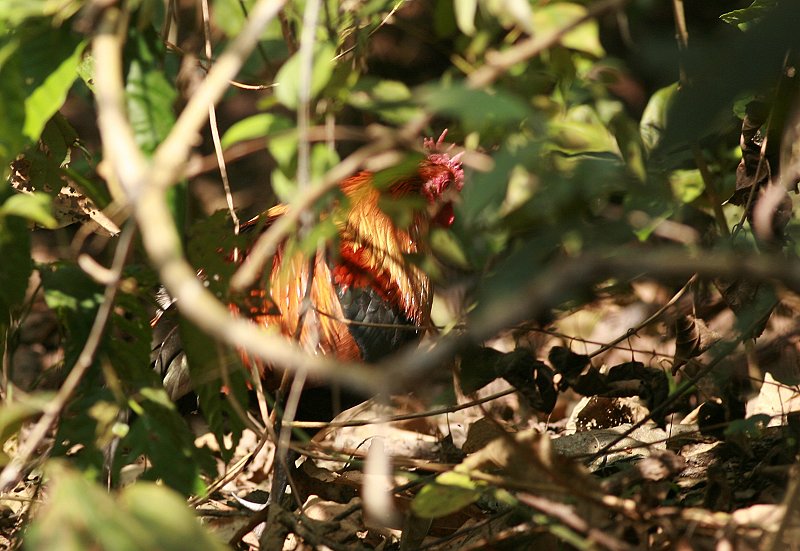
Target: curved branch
column 146, row 184
column 557, row 283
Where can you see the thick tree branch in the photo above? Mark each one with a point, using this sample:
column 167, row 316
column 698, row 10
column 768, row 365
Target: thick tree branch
column 563, row 279
column 146, row 185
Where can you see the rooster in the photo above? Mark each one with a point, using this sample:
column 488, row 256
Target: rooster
column 368, row 298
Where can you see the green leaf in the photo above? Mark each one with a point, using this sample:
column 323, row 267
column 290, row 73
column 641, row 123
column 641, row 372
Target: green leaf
column 86, row 70
column 389, row 99
column 36, row 207
column 229, row 16
column 450, row 492
column 68, row 290
column 284, row 187
column 75, row 299
column 323, row 158
column 50, row 59
column 166, row 515
column 128, row 337
column 17, row 264
column 687, row 185
column 581, row 131
column 390, row 91
column 288, row 78
column 38, row 65
column 283, row 148
column 257, row 126
column 752, row 14
column 402, row 169
column 483, row 195
column 552, row 17
column 207, row 359
column 12, row 106
column 17, row 11
column 446, row 245
column 654, row 117
column 82, row 515
column 477, row 109
column 210, row 248
column 752, row 427
column 161, row 434
column 150, row 95
column 511, row 13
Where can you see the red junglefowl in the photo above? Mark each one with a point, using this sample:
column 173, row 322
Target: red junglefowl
column 368, row 297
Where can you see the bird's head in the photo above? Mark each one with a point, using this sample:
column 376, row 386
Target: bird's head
column 442, row 179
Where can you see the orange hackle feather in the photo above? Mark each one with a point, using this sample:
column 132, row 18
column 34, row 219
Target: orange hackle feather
column 372, row 254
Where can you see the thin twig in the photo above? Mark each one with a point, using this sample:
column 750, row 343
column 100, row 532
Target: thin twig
column 791, row 502
column 383, row 22
column 498, row 63
column 234, row 471
column 657, row 314
column 212, row 122
column 682, row 37
column 762, row 162
column 724, row 349
column 306, row 59
column 404, row 417
column 567, row 515
column 463, row 531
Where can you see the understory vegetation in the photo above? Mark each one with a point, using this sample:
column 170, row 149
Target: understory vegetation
column 614, row 353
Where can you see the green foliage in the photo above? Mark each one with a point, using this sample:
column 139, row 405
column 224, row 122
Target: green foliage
column 263, row 125
column 744, row 18
column 13, row 416
column 288, row 80
column 38, row 65
column 15, row 252
column 477, row 109
column 578, row 155
column 150, row 90
column 34, row 207
column 451, row 492
column 553, row 17
column 81, row 515
column 48, row 77
column 74, row 298
column 388, row 99
column 218, row 379
column 18, row 11
column 211, row 248
column 161, row 435
column 122, row 379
